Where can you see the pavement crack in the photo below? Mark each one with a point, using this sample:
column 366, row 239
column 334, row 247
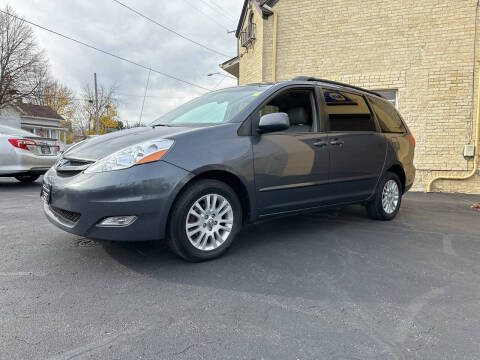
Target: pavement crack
column 25, row 341
column 267, row 313
column 84, row 349
column 413, row 310
column 186, row 349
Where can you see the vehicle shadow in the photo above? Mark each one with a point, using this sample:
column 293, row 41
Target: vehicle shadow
column 10, row 183
column 314, row 256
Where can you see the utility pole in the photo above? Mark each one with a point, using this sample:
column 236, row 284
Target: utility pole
column 96, row 104
column 145, row 95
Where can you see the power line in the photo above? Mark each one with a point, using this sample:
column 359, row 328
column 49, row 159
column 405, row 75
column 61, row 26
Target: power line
column 153, row 96
column 218, row 10
column 127, row 95
column 222, row 9
column 121, row 94
column 144, row 96
column 208, row 16
column 216, row 87
column 106, row 52
column 170, row 30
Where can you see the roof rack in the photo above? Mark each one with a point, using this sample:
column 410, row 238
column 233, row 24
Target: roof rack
column 309, row 78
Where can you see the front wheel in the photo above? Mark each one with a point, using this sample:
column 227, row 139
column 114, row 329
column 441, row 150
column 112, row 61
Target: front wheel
column 204, row 221
column 386, row 203
column 27, row 179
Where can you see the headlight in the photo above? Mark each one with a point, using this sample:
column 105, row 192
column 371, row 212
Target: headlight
column 146, row 152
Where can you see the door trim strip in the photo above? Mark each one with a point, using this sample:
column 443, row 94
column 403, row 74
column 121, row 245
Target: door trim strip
column 315, row 183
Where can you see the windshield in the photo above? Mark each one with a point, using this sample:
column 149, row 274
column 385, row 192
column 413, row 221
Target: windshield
column 213, row 108
column 7, row 130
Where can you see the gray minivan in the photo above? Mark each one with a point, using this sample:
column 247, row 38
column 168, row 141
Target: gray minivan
column 232, row 156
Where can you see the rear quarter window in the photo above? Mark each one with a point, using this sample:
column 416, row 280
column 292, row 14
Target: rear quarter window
column 388, row 117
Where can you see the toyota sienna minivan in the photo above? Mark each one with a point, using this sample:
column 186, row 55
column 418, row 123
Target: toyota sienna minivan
column 195, row 175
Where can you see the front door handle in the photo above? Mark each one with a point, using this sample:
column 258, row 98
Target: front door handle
column 336, row 142
column 320, row 143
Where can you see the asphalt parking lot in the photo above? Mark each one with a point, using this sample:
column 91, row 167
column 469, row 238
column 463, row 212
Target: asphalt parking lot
column 329, row 285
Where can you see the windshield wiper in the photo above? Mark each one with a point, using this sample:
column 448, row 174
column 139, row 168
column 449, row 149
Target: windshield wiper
column 154, row 126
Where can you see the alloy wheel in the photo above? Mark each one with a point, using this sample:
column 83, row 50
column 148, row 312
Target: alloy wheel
column 209, row 222
column 390, row 196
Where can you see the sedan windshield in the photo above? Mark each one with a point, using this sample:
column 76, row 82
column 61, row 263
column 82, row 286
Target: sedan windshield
column 213, row 108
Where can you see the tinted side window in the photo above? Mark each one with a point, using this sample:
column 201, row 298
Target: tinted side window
column 388, row 118
column 347, row 111
column 299, row 105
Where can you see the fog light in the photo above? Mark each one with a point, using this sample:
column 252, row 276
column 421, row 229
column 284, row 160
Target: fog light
column 118, row 221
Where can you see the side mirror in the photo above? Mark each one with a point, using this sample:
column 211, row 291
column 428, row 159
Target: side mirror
column 273, row 122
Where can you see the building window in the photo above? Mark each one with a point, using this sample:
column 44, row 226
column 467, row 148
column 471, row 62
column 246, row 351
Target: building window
column 247, row 36
column 390, row 95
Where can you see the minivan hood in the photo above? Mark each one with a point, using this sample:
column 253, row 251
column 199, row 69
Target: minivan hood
column 104, row 145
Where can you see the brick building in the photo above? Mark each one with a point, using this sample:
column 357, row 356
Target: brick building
column 420, row 54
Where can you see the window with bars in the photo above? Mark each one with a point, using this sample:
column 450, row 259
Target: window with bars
column 247, row 36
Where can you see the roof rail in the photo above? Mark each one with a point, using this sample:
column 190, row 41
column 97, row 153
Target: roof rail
column 309, row 78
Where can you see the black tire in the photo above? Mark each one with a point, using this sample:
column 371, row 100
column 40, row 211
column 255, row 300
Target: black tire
column 27, row 178
column 177, row 238
column 375, row 208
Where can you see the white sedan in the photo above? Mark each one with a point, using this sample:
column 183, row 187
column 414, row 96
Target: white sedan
column 24, row 155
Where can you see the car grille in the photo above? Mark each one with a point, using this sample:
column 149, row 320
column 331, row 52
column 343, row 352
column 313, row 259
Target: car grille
column 66, row 215
column 71, row 167
column 77, row 163
column 67, row 173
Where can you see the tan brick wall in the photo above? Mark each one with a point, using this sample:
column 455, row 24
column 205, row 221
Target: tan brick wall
column 423, row 49
column 251, row 62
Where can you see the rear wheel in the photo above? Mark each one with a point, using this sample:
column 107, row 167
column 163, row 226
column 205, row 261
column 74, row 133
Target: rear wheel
column 27, row 178
column 204, row 220
column 386, row 203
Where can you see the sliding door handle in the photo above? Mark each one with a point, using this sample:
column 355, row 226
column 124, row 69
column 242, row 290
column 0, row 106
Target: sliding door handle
column 320, row 143
column 336, row 142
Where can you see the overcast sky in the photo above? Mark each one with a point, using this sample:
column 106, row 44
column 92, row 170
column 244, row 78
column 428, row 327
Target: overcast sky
column 111, row 27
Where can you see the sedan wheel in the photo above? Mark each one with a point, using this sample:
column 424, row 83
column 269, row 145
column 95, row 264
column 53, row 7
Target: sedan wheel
column 27, row 179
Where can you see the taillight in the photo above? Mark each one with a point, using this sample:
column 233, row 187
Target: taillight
column 22, row 143
column 57, row 146
column 412, row 139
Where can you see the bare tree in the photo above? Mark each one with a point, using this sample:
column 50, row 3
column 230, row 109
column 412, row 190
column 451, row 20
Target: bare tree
column 81, row 118
column 134, row 125
column 107, row 106
column 23, row 66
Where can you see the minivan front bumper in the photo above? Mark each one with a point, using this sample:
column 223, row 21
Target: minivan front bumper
column 80, row 202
